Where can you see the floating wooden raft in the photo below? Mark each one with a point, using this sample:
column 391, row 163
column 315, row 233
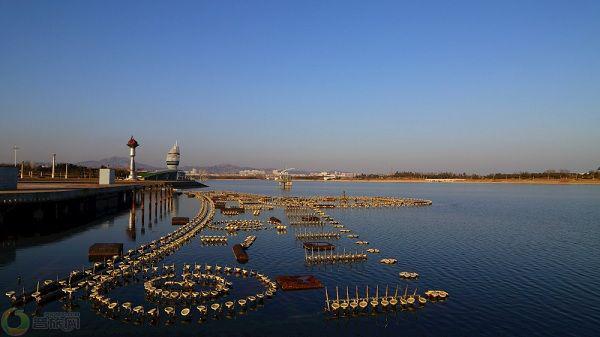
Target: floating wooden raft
column 318, row 245
column 298, row 282
column 103, row 251
column 240, row 254
column 179, row 220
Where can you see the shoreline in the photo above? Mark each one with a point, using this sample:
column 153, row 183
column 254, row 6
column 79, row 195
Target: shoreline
column 455, row 181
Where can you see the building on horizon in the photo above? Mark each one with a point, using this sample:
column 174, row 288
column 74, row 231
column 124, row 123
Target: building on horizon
column 172, row 172
column 252, row 173
column 173, row 157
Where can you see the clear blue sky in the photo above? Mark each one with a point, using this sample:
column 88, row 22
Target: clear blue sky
column 366, row 85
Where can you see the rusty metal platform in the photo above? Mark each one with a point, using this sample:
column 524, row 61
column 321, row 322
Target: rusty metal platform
column 298, row 282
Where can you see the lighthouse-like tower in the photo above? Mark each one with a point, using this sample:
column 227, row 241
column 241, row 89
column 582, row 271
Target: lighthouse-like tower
column 173, row 157
column 132, row 144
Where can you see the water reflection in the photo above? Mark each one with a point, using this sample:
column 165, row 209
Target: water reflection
column 131, row 226
column 512, row 258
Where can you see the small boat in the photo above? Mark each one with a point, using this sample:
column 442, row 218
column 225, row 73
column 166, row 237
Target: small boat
column 442, row 295
column 354, row 303
column 169, row 311
column 344, row 305
column 388, row 261
column 403, row 301
column 185, row 313
column 364, row 302
column 408, row 275
column 37, row 292
column 202, row 309
column 242, row 303
column 384, row 300
column 375, row 300
column 153, row 313
column 411, row 299
column 126, row 306
column 138, row 310
column 229, row 305
column 216, row 307
column 336, row 303
column 394, row 300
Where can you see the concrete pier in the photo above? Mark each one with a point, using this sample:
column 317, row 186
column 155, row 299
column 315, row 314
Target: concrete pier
column 48, row 207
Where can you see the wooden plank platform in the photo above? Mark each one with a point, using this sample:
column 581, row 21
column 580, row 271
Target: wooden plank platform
column 103, row 251
column 179, row 220
column 318, row 245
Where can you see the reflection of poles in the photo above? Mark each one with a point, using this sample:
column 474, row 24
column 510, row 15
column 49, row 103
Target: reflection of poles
column 162, row 196
column 143, row 192
column 150, row 207
column 133, row 205
column 155, row 204
column 164, row 190
column 170, row 190
column 131, row 227
column 175, row 203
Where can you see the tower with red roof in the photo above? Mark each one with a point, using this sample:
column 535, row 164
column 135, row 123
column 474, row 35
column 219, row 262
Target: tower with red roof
column 132, row 144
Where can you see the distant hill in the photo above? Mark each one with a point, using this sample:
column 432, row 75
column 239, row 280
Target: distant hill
column 123, row 162
column 231, row 169
column 116, row 162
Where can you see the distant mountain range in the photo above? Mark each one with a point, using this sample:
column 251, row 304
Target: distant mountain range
column 123, row 162
column 116, row 162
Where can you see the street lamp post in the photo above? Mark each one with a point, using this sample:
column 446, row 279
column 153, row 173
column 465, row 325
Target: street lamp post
column 53, row 164
column 15, row 149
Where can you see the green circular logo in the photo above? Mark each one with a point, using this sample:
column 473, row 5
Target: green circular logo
column 23, row 322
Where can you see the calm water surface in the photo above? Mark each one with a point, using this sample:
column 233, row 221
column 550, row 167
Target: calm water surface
column 516, row 260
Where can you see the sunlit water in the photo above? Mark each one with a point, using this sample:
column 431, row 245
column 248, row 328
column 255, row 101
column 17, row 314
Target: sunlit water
column 516, row 260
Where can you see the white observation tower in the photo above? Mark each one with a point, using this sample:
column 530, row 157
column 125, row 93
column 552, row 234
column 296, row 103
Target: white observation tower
column 173, row 157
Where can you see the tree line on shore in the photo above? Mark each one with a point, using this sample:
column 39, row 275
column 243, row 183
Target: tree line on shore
column 548, row 174
column 73, row 171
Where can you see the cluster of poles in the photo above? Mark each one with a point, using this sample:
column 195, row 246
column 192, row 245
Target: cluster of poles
column 90, row 281
column 317, row 235
column 331, row 257
column 213, row 240
column 160, row 195
column 357, row 303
